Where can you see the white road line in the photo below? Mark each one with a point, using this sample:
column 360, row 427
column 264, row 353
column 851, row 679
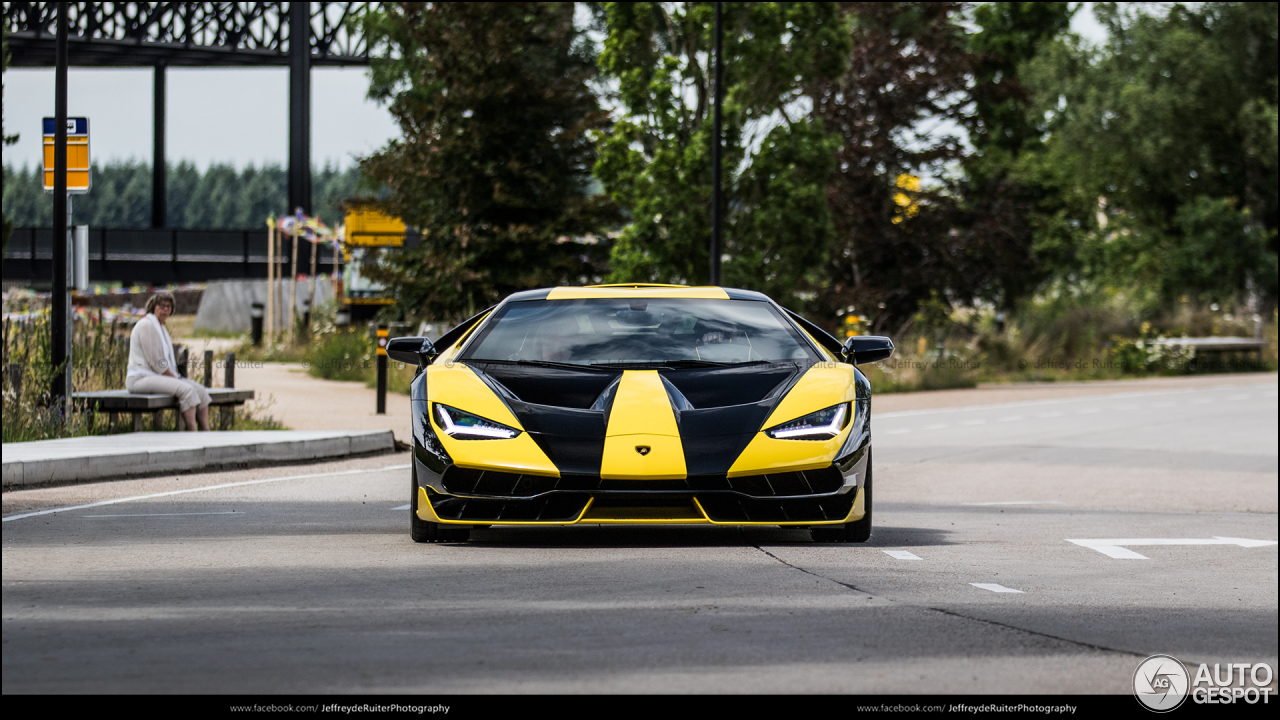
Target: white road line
column 995, row 587
column 1017, row 502
column 901, row 555
column 935, row 426
column 199, row 489
column 899, row 431
column 1088, row 410
column 974, row 422
column 1202, row 401
column 229, row 512
column 1011, row 418
column 1050, row 414
column 1117, row 547
column 1125, row 407
column 1164, row 405
column 1242, row 396
column 401, row 507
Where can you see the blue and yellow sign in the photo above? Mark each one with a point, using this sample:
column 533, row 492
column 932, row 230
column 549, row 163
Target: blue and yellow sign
column 79, row 179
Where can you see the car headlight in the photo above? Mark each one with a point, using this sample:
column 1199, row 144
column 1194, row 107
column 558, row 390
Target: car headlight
column 822, row 425
column 465, row 426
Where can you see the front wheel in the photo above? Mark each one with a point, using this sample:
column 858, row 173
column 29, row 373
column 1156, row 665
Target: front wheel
column 428, row 532
column 857, row 531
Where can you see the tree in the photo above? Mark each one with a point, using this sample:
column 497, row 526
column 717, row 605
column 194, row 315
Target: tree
column 1171, row 128
column 1015, row 203
column 897, row 112
column 656, row 160
column 494, row 168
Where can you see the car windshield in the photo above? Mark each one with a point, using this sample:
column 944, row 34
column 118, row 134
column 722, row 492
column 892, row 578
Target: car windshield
column 640, row 331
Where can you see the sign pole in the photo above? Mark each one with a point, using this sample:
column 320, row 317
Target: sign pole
column 382, row 369
column 311, row 306
column 60, row 305
column 271, row 271
column 293, row 281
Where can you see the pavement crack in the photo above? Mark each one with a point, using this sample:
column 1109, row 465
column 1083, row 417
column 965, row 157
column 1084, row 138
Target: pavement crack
column 1080, row 643
column 952, row 613
column 810, row 572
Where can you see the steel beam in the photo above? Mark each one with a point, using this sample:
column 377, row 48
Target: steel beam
column 299, row 107
column 159, row 195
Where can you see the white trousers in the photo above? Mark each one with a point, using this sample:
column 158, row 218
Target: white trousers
column 189, row 392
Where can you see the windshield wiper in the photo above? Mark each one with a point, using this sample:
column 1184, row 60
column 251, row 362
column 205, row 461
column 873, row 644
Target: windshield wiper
column 710, row 363
column 546, row 363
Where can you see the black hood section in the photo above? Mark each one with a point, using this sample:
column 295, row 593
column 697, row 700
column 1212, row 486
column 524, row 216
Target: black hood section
column 559, row 387
column 572, row 437
column 714, row 438
column 729, row 407
column 723, row 387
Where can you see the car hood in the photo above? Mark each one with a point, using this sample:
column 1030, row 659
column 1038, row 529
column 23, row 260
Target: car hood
column 638, row 424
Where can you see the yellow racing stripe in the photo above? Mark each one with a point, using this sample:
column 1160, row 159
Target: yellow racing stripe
column 642, row 441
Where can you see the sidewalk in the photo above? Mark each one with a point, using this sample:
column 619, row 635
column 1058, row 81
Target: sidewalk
column 286, row 392
column 101, row 457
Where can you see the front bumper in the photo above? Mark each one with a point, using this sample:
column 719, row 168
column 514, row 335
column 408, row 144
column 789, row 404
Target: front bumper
column 453, row 495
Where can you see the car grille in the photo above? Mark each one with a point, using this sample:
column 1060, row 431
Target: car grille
column 493, row 484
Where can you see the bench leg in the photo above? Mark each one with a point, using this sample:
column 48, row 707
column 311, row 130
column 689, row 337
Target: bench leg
column 157, row 421
column 137, row 421
column 179, row 422
column 225, row 413
column 113, row 422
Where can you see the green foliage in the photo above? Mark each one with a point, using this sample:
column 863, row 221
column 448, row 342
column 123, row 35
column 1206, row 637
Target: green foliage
column 219, row 198
column 656, row 160
column 896, row 112
column 494, row 169
column 1171, row 127
column 341, row 355
column 1013, row 201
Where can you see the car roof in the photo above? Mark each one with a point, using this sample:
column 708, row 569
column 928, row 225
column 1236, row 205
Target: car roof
column 638, row 290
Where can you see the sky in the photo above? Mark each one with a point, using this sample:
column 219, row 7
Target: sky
column 214, row 115
column 234, row 116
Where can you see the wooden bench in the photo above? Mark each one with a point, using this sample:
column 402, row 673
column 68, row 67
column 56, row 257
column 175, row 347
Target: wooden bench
column 115, row 402
column 1217, row 347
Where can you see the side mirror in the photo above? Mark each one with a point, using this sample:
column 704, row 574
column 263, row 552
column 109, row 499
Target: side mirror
column 411, row 350
column 861, row 349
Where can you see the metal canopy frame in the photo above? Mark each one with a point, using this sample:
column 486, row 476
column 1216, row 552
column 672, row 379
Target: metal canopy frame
column 214, row 34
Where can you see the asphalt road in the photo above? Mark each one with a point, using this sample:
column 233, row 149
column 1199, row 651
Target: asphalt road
column 304, row 579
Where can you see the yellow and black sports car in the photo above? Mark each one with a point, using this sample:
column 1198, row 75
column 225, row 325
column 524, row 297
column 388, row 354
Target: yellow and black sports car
column 640, row 404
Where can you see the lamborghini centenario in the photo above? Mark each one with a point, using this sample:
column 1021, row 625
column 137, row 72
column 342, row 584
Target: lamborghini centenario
column 640, row 404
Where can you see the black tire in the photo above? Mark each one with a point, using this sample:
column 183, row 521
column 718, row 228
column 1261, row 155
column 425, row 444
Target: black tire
column 428, row 532
column 854, row 532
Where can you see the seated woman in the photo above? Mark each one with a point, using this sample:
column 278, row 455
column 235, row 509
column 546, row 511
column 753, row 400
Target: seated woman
column 153, row 369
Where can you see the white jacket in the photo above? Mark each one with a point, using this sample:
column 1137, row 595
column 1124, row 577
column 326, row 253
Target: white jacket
column 150, row 349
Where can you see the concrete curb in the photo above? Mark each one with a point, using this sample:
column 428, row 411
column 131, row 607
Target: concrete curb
column 89, row 459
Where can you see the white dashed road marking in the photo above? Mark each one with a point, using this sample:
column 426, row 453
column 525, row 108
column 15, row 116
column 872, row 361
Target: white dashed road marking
column 901, row 555
column 401, row 507
column 995, row 587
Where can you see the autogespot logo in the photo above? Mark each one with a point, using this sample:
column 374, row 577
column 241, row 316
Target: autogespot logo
column 1161, row 683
